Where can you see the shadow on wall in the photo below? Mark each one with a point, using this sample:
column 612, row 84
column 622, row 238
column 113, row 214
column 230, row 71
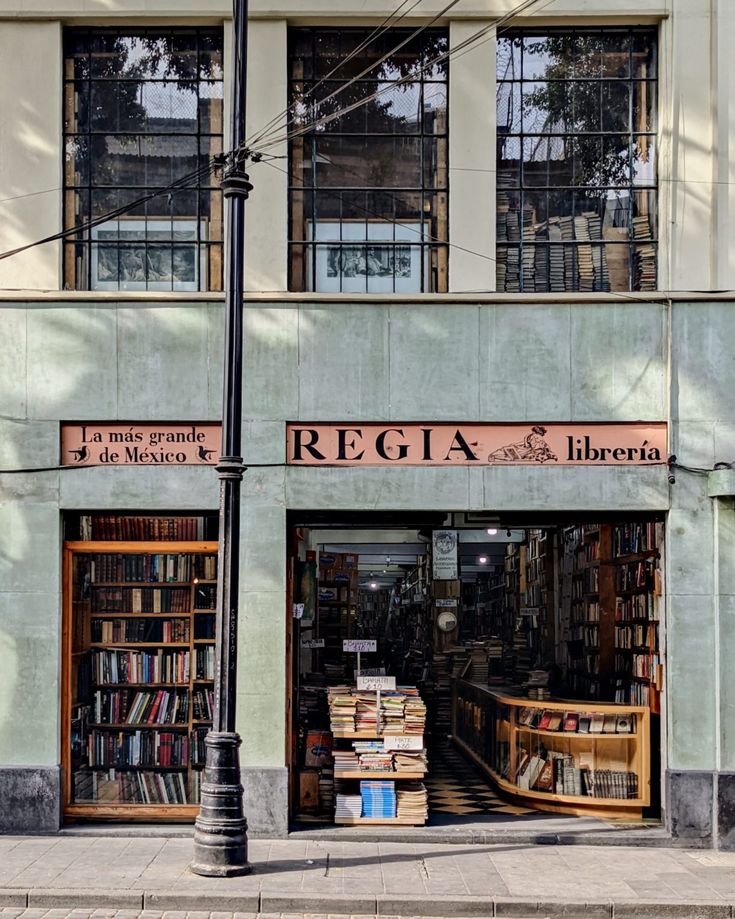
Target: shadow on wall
column 75, row 362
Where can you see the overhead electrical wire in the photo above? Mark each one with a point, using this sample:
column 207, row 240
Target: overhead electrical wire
column 453, row 53
column 181, row 184
column 388, row 23
column 382, row 60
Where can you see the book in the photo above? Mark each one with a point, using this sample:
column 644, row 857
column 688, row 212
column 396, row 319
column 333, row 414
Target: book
column 545, row 721
column 609, row 724
column 584, row 724
column 571, row 722
column 596, row 724
column 555, row 722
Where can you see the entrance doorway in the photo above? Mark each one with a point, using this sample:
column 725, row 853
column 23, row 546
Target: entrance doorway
column 449, row 669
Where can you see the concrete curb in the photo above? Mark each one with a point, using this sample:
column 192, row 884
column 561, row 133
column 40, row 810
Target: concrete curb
column 57, row 898
column 194, row 901
column 378, row 905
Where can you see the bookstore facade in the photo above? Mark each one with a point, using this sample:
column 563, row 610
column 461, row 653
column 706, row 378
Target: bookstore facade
column 563, row 656
column 474, row 583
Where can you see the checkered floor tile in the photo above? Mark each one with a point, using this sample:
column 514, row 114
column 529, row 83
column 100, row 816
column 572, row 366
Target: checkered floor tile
column 456, row 786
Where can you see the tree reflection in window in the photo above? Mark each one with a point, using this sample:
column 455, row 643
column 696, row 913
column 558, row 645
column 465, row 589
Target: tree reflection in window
column 368, row 190
column 142, row 108
column 576, row 192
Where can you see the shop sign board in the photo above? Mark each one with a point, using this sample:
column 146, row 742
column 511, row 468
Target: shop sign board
column 131, row 444
column 312, row 643
column 444, row 555
column 359, row 645
column 457, row 444
column 383, row 683
column 405, row 742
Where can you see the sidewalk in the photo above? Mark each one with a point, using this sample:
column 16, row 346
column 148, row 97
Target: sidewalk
column 366, row 878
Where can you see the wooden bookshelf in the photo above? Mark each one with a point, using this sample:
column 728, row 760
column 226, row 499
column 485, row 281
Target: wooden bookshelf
column 160, row 791
column 610, row 769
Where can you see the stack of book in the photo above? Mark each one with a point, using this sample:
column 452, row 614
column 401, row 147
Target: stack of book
column 415, row 716
column 392, row 712
column 366, row 713
column 348, row 805
column 372, row 757
column 342, row 710
column 645, row 255
column 378, row 799
column 345, row 761
column 412, row 802
column 410, row 761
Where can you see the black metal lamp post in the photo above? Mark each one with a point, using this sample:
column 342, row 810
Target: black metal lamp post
column 220, row 836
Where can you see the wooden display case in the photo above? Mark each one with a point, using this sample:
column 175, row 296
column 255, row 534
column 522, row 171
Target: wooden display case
column 603, row 772
column 131, row 748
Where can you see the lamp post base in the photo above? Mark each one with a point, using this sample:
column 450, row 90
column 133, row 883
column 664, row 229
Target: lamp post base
column 221, row 830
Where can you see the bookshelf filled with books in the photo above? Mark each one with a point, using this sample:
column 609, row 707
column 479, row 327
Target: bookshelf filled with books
column 636, row 565
column 138, row 646
column 558, row 755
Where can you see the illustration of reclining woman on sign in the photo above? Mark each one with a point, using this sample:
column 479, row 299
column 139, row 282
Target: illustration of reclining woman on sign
column 532, row 449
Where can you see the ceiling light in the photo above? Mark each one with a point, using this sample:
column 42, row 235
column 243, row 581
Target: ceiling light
column 482, row 559
column 492, row 532
column 373, row 585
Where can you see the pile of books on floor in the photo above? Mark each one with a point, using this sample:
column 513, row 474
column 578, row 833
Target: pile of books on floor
column 378, row 799
column 348, row 805
column 412, row 801
column 326, row 788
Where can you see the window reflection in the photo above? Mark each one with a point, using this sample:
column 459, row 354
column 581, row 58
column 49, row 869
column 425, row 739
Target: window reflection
column 576, row 199
column 369, row 188
column 143, row 108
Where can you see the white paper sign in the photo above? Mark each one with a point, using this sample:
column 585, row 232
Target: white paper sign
column 376, row 682
column 298, row 610
column 359, row 644
column 446, row 603
column 371, row 671
column 312, row 642
column 444, row 555
column 405, row 742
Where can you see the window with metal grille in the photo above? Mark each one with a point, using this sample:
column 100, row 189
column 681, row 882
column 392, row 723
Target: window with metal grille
column 368, row 189
column 142, row 110
column 576, row 160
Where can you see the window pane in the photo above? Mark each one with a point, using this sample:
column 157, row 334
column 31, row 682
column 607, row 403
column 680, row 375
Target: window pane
column 370, row 174
column 572, row 217
column 144, row 114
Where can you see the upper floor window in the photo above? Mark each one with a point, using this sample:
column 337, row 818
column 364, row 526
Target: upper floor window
column 368, row 189
column 576, row 161
column 142, row 111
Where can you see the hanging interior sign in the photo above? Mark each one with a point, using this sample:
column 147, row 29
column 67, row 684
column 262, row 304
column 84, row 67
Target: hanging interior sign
column 162, row 444
column 458, row 444
column 359, row 645
column 445, row 603
column 307, row 643
column 376, row 682
column 444, row 555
